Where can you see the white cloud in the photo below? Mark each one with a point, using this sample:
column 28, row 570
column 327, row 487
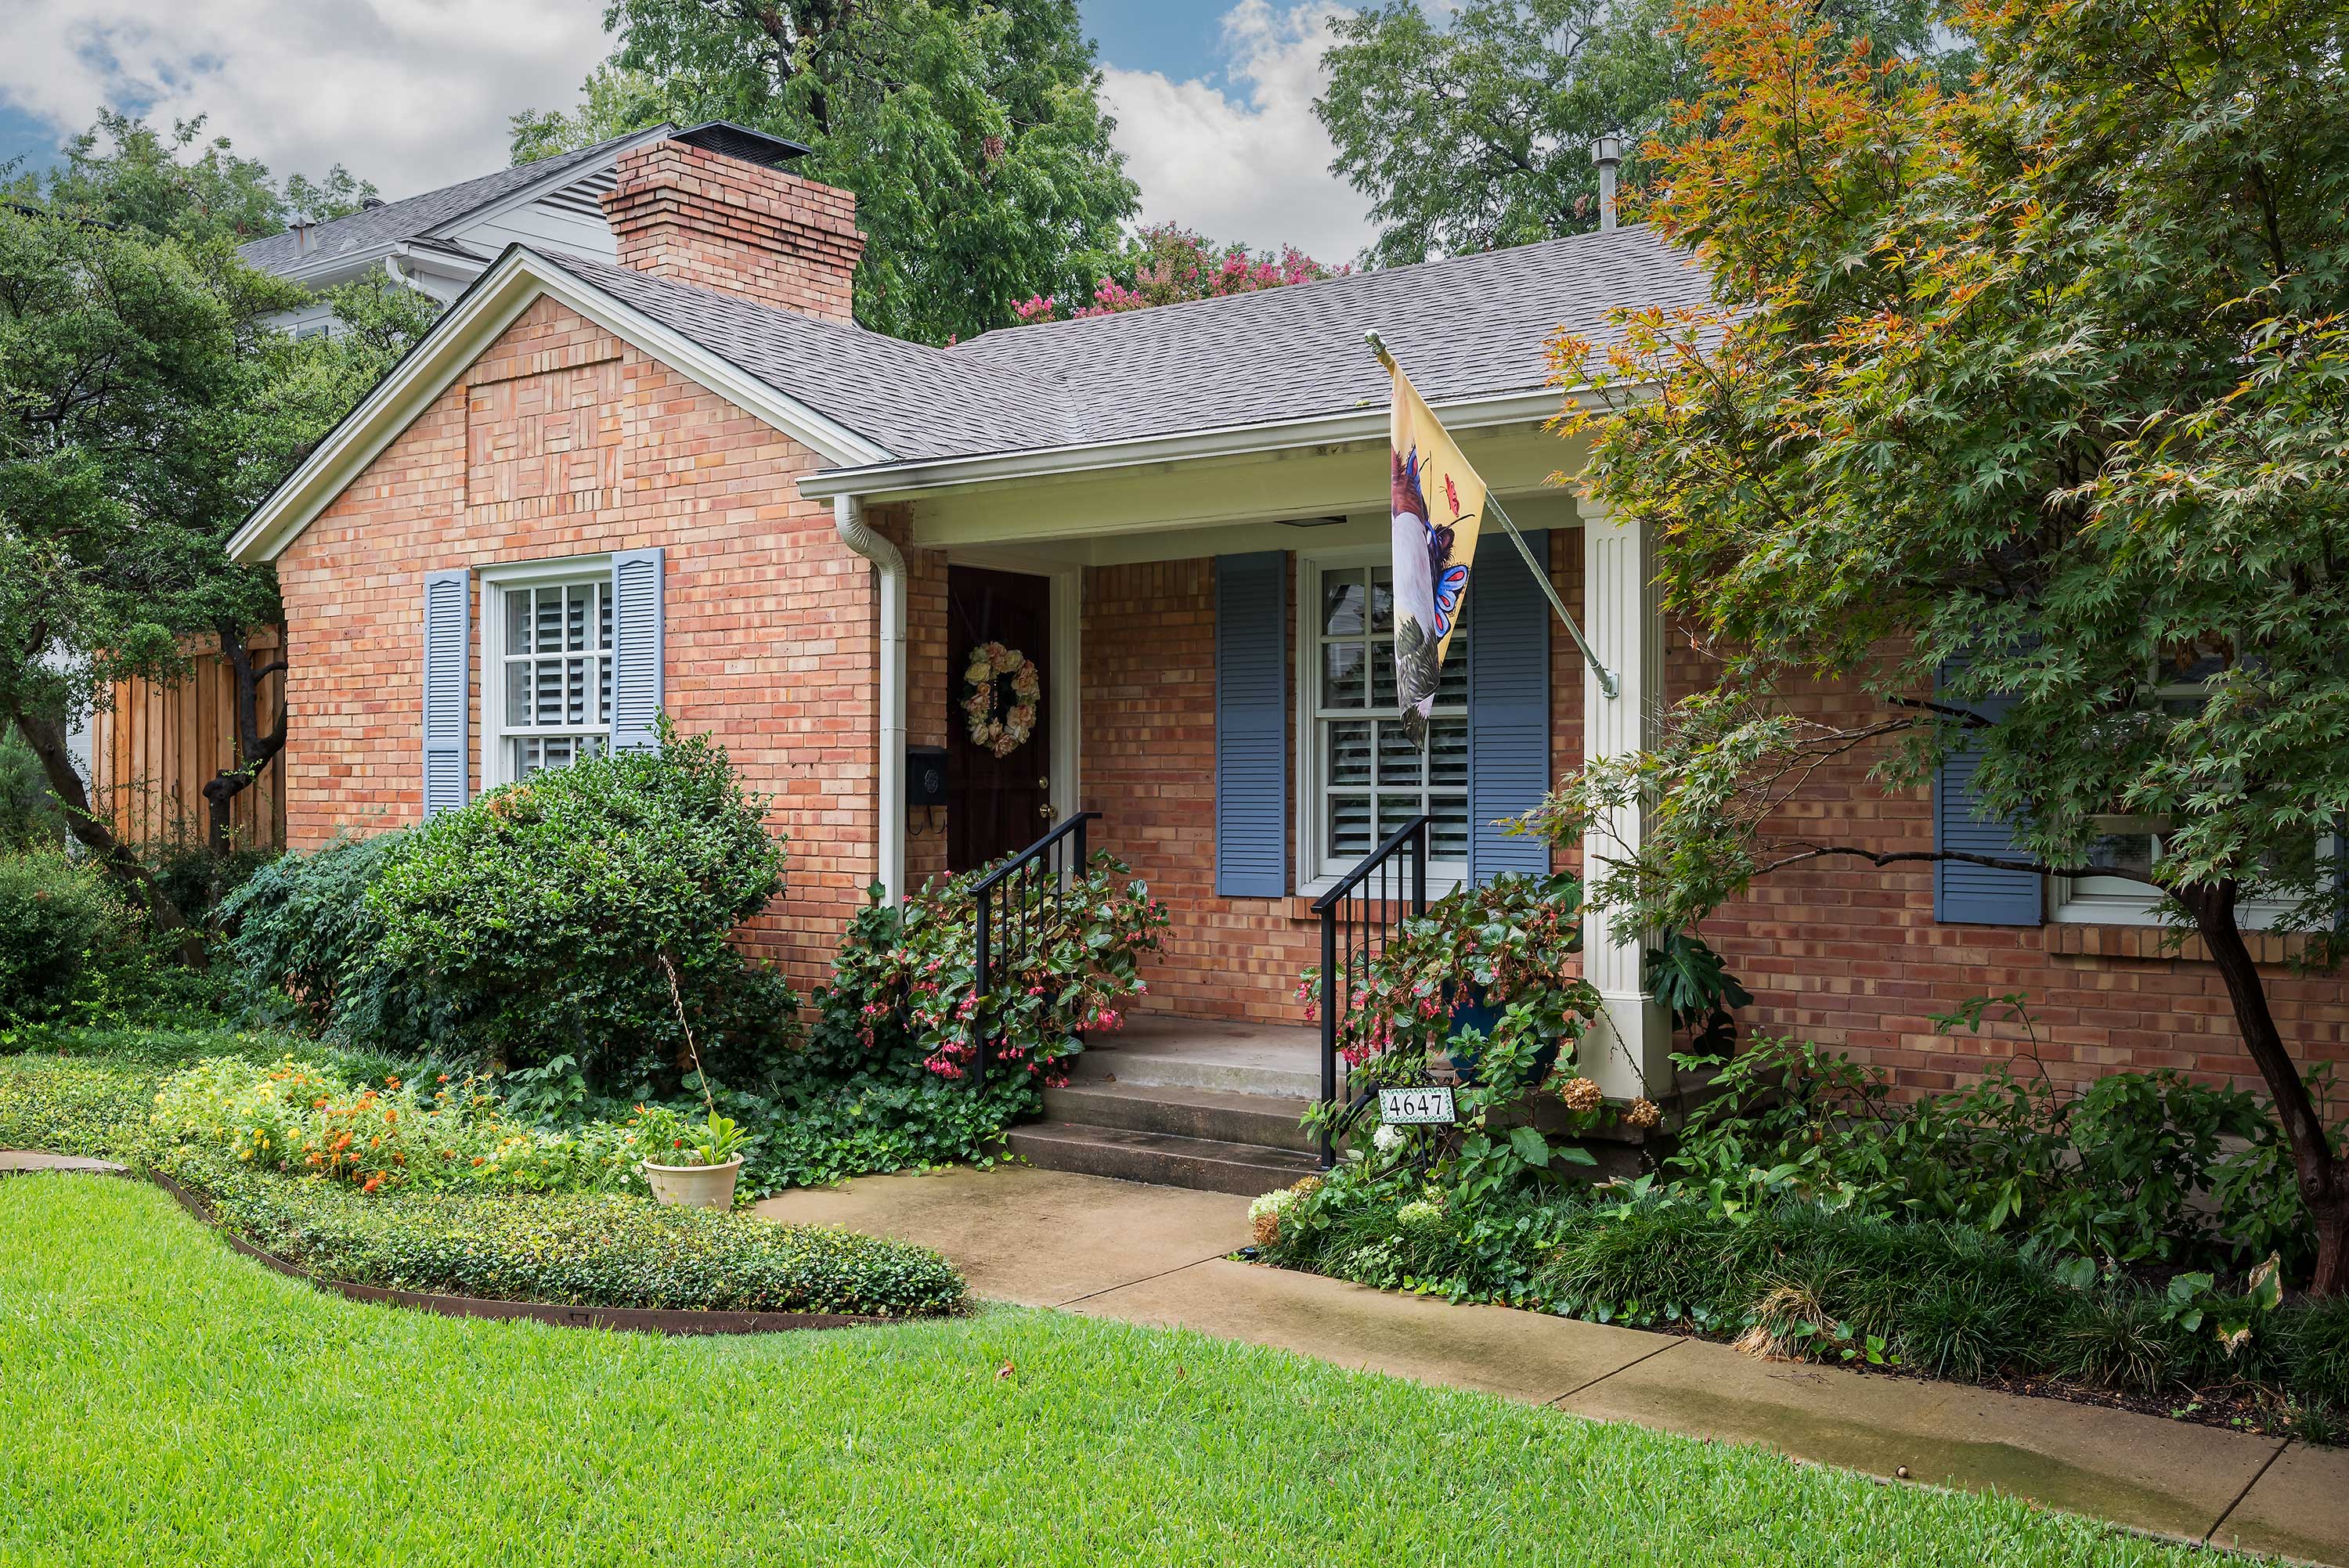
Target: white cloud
column 1254, row 167
column 411, row 94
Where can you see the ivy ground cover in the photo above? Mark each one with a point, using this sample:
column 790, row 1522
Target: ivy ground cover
column 168, row 1402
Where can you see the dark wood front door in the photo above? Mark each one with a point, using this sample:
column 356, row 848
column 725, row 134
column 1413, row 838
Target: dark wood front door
column 996, row 805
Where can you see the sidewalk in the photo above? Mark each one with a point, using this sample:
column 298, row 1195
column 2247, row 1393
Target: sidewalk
column 1154, row 1255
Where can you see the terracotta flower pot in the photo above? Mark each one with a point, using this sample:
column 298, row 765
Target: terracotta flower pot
column 699, row 1186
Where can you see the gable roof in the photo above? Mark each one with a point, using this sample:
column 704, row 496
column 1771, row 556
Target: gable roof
column 1281, row 366
column 1470, row 327
column 422, row 217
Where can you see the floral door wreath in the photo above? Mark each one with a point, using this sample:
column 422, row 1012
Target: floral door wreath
column 1001, row 728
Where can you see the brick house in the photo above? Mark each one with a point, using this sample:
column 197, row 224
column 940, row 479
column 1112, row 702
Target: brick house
column 683, row 480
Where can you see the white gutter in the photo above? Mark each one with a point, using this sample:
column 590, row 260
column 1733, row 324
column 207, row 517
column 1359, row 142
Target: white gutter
column 1221, row 441
column 848, row 518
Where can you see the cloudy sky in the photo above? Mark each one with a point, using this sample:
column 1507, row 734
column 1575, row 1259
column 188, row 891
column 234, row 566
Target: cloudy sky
column 1213, row 98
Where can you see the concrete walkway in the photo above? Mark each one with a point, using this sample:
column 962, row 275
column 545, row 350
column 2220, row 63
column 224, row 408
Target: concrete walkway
column 1155, row 1255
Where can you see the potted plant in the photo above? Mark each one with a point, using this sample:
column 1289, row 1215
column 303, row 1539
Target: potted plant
column 699, row 1162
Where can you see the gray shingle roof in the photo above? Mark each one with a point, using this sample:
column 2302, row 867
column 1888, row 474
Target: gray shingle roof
column 1467, row 327
column 413, row 217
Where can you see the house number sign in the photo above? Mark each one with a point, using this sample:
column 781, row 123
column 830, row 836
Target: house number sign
column 1416, row 1106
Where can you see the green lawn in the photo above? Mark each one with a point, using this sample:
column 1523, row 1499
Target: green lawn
column 163, row 1400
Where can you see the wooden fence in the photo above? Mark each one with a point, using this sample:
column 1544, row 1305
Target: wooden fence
column 153, row 749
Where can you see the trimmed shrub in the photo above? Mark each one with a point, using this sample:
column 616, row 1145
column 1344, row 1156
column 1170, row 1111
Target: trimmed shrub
column 543, row 913
column 587, row 1250
column 306, row 939
column 60, row 925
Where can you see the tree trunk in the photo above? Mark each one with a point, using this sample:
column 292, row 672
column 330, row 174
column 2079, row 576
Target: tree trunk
column 46, row 737
column 254, row 751
column 2322, row 1175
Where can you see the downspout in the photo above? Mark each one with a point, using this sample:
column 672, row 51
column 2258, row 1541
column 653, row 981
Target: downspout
column 848, row 518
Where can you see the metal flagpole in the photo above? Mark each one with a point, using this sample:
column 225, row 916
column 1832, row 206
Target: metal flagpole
column 1606, row 682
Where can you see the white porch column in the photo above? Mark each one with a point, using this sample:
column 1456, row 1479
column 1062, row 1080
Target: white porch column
column 1630, row 1053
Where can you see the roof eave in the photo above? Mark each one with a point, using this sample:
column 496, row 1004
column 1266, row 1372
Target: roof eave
column 509, row 286
column 884, row 482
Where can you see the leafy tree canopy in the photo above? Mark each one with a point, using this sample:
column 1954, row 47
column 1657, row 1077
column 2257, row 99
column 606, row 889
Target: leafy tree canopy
column 180, row 184
column 972, row 135
column 1474, row 131
column 146, row 406
column 2024, row 412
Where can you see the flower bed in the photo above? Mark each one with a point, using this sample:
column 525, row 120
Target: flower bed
column 576, row 1249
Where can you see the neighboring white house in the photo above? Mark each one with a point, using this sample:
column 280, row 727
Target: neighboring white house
column 440, row 242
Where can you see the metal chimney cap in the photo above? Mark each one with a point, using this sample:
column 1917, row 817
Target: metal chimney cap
column 1608, row 149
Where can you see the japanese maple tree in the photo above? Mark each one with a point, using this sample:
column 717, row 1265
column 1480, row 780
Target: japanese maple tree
column 2022, row 405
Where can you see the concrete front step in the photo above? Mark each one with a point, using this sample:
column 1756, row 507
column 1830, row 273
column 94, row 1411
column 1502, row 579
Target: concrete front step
column 1210, row 1165
column 1269, row 1121
column 1159, row 1052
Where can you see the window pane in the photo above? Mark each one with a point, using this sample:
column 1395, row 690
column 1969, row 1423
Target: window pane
column 1447, row 836
column 1382, row 677
column 1342, row 604
column 1348, row 749
column 1349, row 827
column 518, row 691
column 603, row 618
column 1342, row 675
column 1447, row 753
column 550, row 691
column 604, row 686
column 1382, row 598
column 577, row 606
column 518, row 621
column 575, row 691
column 550, row 620
column 2126, row 854
column 1395, row 810
column 1399, row 760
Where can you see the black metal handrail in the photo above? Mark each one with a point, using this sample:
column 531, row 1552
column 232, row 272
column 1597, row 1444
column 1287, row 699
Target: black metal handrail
column 1011, row 902
column 1400, row 866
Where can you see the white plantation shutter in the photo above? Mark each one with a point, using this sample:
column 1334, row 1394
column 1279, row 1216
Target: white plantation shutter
column 637, row 650
column 447, row 644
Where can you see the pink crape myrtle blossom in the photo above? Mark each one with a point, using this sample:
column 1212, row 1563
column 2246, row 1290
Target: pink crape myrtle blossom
column 1169, row 264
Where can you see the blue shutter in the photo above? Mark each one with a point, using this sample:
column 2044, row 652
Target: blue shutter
column 637, row 655
column 448, row 658
column 1967, row 894
column 1252, row 725
column 1507, row 623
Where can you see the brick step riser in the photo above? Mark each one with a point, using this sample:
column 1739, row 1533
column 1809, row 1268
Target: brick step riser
column 1269, row 1128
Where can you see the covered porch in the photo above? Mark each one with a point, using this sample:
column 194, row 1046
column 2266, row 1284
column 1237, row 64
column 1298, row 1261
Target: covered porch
column 1214, row 679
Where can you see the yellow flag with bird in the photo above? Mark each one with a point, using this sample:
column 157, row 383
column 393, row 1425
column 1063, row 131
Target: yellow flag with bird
column 1439, row 509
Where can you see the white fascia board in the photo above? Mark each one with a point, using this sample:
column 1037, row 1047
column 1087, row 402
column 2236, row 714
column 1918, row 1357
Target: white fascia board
column 510, row 287
column 889, row 481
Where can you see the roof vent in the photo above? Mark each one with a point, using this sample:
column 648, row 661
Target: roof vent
column 369, row 203
column 1606, row 152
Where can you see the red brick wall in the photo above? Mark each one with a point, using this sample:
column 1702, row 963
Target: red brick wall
column 740, row 227
column 1851, row 958
column 771, row 629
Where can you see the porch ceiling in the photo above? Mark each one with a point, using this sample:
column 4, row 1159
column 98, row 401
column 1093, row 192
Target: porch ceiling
column 1207, row 506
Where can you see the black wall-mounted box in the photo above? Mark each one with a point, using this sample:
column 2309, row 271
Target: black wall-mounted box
column 926, row 776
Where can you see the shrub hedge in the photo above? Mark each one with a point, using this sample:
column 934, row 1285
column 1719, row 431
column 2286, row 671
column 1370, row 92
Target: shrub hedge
column 60, row 923
column 1798, row 1278
column 577, row 1249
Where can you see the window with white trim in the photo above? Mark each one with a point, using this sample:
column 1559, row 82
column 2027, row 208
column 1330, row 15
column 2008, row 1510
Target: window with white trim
column 1361, row 776
column 2183, row 681
column 548, row 691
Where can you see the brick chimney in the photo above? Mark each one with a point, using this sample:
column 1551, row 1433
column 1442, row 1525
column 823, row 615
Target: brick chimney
column 684, row 212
